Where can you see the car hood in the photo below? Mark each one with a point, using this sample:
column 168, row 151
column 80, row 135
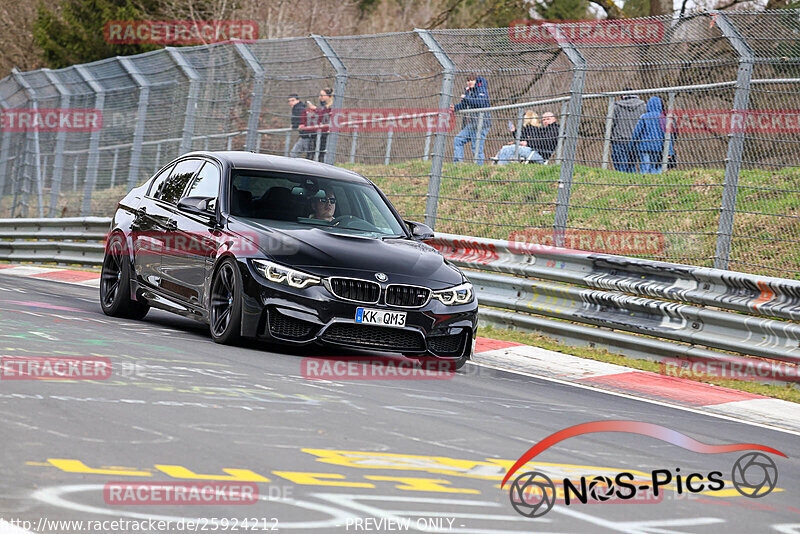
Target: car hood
column 327, row 254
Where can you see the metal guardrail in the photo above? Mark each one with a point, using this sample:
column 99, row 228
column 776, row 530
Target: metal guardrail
column 553, row 289
column 74, row 240
column 583, row 297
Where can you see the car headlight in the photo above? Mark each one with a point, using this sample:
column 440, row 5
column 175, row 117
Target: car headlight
column 283, row 275
column 455, row 295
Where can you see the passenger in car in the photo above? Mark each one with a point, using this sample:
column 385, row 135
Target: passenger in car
column 324, row 206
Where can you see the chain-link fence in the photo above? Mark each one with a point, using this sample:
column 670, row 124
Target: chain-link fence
column 696, row 186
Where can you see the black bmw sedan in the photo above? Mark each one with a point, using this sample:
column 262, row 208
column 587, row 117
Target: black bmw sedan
column 287, row 250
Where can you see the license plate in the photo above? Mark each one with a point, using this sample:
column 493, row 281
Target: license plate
column 381, row 317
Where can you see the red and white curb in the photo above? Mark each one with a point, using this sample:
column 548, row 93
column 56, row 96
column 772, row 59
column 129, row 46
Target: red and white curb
column 56, row 274
column 558, row 366
column 655, row 387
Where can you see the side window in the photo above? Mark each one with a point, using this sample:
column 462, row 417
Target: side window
column 156, row 184
column 207, row 182
column 172, row 190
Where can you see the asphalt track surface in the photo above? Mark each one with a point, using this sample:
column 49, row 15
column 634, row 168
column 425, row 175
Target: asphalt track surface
column 331, row 456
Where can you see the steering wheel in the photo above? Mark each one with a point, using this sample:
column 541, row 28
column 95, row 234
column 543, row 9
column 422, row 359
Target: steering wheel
column 342, row 218
column 358, row 223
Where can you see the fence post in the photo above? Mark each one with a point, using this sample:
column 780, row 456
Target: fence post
column 518, row 133
column 607, row 138
column 93, row 158
column 388, row 157
column 4, row 147
column 141, row 118
column 191, row 100
column 61, row 138
column 570, row 142
column 338, row 93
column 258, row 93
column 562, row 119
column 668, row 131
column 33, row 134
column 733, row 160
column 440, row 137
column 353, row 146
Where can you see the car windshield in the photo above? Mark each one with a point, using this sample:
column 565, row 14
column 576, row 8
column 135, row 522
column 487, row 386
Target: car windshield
column 294, row 201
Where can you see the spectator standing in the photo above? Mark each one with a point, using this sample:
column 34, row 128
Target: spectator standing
column 649, row 137
column 318, row 120
column 303, row 143
column 475, row 96
column 624, row 118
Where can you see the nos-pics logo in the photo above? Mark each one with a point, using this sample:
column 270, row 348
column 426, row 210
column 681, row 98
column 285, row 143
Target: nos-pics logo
column 533, row 493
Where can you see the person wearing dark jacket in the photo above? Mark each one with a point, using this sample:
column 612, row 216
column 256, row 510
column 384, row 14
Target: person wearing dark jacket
column 303, row 143
column 315, row 122
column 649, row 137
column 624, row 117
column 475, row 96
column 545, row 141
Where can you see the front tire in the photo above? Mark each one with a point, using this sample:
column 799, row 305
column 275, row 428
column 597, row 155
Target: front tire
column 225, row 309
column 115, row 283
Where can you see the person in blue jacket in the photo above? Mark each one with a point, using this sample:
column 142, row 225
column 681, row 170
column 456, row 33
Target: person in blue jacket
column 649, row 137
column 475, row 96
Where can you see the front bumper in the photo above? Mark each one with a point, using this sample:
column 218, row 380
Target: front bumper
column 315, row 316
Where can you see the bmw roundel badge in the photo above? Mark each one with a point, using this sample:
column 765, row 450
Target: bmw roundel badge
column 381, row 277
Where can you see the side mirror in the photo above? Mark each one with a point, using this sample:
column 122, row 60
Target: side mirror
column 419, row 231
column 197, row 205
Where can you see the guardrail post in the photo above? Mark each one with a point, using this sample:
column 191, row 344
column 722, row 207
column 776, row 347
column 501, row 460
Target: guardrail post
column 93, row 158
column 338, row 92
column 607, row 137
column 668, row 131
column 191, row 100
column 733, row 160
column 141, row 118
column 33, row 135
column 61, row 138
column 440, row 137
column 570, row 135
column 258, row 93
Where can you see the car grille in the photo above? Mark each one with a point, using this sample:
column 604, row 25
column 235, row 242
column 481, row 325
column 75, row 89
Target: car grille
column 281, row 325
column 378, row 337
column 407, row 296
column 353, row 289
column 446, row 345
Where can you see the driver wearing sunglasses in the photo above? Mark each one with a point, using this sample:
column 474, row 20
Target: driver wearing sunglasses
column 323, row 207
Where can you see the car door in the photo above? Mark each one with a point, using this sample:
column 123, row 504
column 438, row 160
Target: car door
column 147, row 232
column 167, row 219
column 189, row 266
